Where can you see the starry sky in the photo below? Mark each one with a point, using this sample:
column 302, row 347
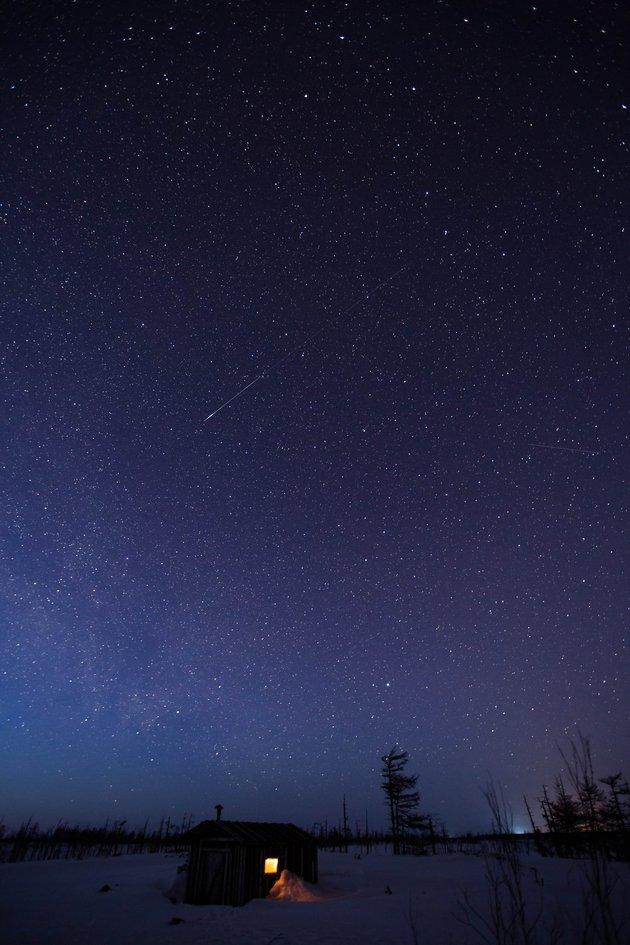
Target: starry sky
column 406, row 222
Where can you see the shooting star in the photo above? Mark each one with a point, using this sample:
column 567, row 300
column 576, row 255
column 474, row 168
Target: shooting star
column 568, row 449
column 304, row 343
column 234, row 396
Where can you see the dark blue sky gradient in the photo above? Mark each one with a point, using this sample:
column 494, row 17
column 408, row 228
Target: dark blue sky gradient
column 410, row 529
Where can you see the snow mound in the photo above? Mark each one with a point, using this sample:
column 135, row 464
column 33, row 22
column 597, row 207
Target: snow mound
column 177, row 890
column 291, row 887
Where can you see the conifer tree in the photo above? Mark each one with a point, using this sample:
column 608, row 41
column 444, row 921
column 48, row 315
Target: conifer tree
column 565, row 809
column 401, row 795
column 616, row 812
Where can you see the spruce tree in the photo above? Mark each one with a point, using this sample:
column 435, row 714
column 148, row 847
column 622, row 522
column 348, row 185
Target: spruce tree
column 401, row 794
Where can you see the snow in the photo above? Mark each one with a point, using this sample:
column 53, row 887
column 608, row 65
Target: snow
column 292, row 888
column 59, row 903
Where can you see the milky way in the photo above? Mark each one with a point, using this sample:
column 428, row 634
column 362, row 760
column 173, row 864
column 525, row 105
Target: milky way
column 412, row 531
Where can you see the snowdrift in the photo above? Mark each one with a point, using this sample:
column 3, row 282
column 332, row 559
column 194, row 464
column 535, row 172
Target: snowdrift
column 290, row 887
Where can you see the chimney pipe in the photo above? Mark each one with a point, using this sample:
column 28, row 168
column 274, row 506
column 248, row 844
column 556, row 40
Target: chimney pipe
column 218, row 808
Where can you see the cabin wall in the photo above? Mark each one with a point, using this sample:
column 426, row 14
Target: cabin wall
column 220, row 873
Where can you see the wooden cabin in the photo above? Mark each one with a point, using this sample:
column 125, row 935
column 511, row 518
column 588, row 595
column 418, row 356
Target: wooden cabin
column 233, row 861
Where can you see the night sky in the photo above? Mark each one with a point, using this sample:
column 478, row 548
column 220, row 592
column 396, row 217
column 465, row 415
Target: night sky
column 409, row 219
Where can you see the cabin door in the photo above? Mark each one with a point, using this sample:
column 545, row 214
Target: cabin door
column 213, row 876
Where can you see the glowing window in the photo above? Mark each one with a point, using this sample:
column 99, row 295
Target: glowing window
column 271, row 865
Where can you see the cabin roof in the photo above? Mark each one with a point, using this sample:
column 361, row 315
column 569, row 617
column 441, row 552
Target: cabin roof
column 248, row 831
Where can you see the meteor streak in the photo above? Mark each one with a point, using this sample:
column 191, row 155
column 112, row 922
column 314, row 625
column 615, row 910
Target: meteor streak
column 233, row 397
column 568, row 449
column 306, row 341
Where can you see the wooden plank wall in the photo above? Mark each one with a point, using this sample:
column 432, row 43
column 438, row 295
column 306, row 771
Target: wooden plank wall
column 244, row 877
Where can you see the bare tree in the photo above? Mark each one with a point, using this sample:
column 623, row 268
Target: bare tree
column 507, row 920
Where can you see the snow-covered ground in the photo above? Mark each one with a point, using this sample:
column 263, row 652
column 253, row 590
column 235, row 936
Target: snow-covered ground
column 59, row 903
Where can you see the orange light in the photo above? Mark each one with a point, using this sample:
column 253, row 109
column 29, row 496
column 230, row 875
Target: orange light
column 271, row 865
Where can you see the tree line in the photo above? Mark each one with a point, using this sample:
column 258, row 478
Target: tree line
column 582, row 810
column 579, row 813
column 64, row 841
